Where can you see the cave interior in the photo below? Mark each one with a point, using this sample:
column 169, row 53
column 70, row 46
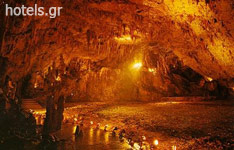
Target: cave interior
column 150, row 68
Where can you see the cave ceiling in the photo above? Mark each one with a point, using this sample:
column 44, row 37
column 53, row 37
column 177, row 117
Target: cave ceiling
column 113, row 33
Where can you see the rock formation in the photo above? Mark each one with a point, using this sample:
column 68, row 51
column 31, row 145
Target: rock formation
column 185, row 47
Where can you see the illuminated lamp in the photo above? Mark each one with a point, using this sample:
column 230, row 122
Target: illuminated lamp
column 156, row 142
column 137, row 65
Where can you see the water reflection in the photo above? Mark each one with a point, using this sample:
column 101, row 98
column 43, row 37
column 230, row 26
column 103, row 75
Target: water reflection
column 98, row 134
column 89, row 139
column 91, row 136
column 106, row 136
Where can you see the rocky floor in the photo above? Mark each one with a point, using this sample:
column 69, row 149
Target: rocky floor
column 184, row 125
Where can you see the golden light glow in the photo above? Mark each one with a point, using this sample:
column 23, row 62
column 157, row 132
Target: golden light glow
column 58, row 78
column 74, row 130
column 97, row 136
column 220, row 45
column 91, row 122
column 152, row 70
column 137, row 65
column 136, row 146
column 209, row 79
column 173, row 147
column 124, row 39
column 106, row 137
column 156, row 142
column 91, row 133
column 39, row 116
column 40, row 112
column 36, row 85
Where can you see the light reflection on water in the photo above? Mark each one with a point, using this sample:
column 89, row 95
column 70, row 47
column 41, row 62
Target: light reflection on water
column 98, row 135
column 106, row 136
column 91, row 139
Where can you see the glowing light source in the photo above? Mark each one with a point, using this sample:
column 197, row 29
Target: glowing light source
column 91, row 122
column 136, row 146
column 137, row 65
column 91, row 136
column 156, row 142
column 124, row 39
column 209, row 79
column 35, row 85
column 152, row 70
column 58, row 78
column 173, row 147
column 74, row 129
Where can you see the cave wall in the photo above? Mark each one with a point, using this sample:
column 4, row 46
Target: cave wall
column 101, row 40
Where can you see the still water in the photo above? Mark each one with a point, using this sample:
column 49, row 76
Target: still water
column 90, row 139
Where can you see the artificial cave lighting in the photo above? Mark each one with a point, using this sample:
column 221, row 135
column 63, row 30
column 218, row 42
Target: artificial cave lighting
column 58, row 78
column 35, row 85
column 124, row 39
column 152, row 70
column 173, row 147
column 117, row 74
column 156, row 142
column 137, row 65
column 209, row 79
column 136, row 146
